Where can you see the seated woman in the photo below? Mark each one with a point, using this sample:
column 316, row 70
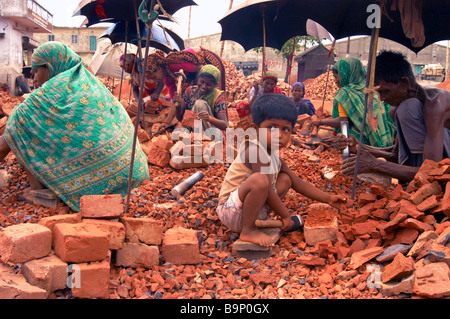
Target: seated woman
column 71, row 134
column 348, row 105
column 205, row 99
column 152, row 88
column 304, row 106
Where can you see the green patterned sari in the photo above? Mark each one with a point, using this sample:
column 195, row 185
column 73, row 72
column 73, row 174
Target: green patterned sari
column 352, row 77
column 72, row 133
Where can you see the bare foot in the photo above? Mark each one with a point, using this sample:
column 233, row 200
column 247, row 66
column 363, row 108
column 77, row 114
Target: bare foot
column 257, row 237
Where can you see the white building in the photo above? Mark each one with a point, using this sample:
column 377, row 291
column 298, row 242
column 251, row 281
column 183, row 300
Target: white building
column 19, row 20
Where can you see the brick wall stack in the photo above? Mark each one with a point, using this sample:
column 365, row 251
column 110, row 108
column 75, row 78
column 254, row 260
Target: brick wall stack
column 76, row 251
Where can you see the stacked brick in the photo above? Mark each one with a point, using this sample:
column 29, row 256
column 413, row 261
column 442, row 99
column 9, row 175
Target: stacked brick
column 76, row 251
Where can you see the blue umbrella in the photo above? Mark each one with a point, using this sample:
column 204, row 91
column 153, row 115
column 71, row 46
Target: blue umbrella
column 162, row 38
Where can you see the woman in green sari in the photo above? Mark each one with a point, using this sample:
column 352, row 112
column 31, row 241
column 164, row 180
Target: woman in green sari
column 71, row 134
column 348, row 105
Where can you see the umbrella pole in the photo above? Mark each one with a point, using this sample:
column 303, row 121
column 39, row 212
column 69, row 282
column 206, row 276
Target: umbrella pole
column 124, row 56
column 264, row 41
column 368, row 98
column 140, row 106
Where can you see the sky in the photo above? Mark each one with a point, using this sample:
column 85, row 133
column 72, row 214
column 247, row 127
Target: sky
column 204, row 16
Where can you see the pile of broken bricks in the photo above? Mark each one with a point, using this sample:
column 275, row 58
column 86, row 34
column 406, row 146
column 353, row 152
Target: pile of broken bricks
column 77, row 251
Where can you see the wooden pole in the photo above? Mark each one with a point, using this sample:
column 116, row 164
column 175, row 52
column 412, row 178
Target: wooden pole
column 140, row 108
column 223, row 42
column 189, row 27
column 369, row 96
column 446, row 61
column 124, row 57
column 264, row 41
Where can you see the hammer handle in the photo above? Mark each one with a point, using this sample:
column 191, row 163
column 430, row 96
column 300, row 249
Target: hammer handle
column 268, row 223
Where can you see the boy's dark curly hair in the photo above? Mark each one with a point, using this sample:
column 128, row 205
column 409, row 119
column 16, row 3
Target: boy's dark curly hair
column 274, row 106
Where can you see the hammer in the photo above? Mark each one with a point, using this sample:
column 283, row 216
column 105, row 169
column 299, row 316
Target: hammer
column 272, row 223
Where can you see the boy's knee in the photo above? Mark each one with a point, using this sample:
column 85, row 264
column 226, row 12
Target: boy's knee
column 259, row 181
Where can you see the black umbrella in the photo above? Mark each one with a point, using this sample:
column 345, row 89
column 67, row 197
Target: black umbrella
column 256, row 23
column 427, row 24
column 97, row 11
column 162, row 38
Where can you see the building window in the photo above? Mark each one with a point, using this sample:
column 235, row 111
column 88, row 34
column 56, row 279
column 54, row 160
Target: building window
column 92, row 43
column 74, row 39
column 51, row 37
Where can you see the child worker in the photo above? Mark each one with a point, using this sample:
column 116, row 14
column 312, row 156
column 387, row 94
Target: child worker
column 268, row 85
column 258, row 179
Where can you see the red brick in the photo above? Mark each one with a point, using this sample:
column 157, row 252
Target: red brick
column 23, row 242
column 90, row 280
column 82, row 242
column 101, row 206
column 425, row 191
column 49, row 273
column 321, row 224
column 51, row 221
column 163, row 142
column 15, row 286
column 180, row 246
column 143, row 230
column 399, row 268
column 156, row 155
column 137, row 255
column 116, row 231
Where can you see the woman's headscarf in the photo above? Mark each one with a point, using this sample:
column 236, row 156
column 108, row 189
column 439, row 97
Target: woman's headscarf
column 352, row 77
column 72, row 133
column 212, row 70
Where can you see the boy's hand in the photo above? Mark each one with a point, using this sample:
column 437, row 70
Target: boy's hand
column 336, row 201
column 287, row 224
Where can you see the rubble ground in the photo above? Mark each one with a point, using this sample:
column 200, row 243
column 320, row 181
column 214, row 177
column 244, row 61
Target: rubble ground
column 389, row 242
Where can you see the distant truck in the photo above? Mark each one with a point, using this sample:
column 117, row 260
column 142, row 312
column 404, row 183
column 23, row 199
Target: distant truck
column 248, row 67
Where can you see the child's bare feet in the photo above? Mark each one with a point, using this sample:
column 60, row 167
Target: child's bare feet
column 257, row 237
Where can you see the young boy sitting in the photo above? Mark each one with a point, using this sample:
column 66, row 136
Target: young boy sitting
column 258, row 179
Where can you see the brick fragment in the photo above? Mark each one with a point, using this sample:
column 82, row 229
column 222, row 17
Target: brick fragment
column 49, row 273
column 361, row 257
column 425, row 191
column 433, row 280
column 15, row 286
column 446, row 200
column 23, row 242
column 399, row 268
